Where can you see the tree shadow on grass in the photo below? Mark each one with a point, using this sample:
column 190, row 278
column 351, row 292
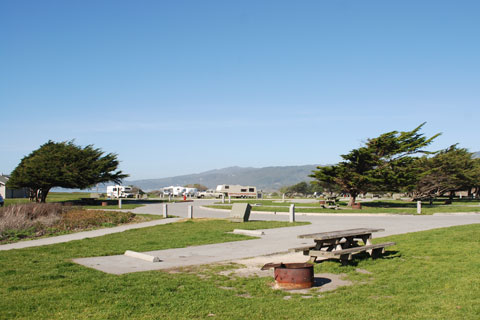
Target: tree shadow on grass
column 98, row 202
column 385, row 204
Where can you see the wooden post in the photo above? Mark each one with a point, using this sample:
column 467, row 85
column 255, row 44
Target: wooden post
column 190, row 212
column 223, row 197
column 292, row 213
column 165, row 210
column 419, row 207
column 283, row 197
column 119, row 203
column 229, row 199
column 169, row 197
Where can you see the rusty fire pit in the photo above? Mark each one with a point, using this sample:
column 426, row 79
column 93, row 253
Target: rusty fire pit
column 292, row 275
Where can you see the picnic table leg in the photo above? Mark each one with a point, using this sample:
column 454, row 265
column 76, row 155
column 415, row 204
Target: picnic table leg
column 376, row 253
column 367, row 239
column 344, row 259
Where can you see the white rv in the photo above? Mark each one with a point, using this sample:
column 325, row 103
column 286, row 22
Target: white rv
column 237, row 191
column 174, row 191
column 191, row 192
column 119, row 192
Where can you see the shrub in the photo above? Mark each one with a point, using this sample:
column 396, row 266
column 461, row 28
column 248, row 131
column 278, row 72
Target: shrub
column 84, row 219
column 32, row 216
column 37, row 219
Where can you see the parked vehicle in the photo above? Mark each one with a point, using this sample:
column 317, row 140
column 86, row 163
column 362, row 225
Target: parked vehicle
column 117, row 191
column 237, row 191
column 174, row 191
column 191, row 192
column 1, row 201
column 209, row 194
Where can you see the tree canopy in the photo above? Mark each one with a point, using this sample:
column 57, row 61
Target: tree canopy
column 200, row 187
column 66, row 165
column 384, row 163
column 303, row 188
column 450, row 170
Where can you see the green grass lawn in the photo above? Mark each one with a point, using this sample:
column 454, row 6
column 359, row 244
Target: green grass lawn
column 76, row 199
column 427, row 275
column 380, row 206
column 115, row 206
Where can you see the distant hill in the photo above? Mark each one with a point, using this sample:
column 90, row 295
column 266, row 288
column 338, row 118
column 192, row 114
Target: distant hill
column 267, row 179
column 476, row 155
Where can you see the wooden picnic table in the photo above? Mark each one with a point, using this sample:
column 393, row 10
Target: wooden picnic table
column 342, row 244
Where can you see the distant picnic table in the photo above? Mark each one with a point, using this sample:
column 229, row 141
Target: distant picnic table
column 329, row 203
column 342, row 244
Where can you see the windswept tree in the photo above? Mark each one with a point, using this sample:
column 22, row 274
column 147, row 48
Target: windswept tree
column 384, row 163
column 66, row 165
column 450, row 170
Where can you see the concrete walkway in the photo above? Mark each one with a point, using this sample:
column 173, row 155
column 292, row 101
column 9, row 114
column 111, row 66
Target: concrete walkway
column 274, row 240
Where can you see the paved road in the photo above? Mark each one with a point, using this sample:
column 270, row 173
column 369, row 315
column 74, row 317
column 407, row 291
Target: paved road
column 393, row 224
column 274, row 241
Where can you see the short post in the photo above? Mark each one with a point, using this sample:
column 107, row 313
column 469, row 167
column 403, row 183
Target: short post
column 165, row 210
column 190, row 212
column 223, row 197
column 120, row 203
column 419, row 207
column 169, row 197
column 292, row 213
column 283, row 197
column 229, row 199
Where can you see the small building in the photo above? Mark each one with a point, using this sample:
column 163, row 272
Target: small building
column 8, row 193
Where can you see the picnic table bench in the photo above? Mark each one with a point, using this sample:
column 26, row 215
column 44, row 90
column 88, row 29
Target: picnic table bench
column 329, row 203
column 342, row 244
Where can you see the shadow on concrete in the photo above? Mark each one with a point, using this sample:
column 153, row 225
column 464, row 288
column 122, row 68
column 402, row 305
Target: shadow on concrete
column 319, row 281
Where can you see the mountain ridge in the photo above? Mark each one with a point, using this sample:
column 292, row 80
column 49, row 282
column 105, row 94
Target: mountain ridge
column 265, row 178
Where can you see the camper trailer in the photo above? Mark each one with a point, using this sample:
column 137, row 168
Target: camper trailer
column 237, row 191
column 174, row 191
column 117, row 191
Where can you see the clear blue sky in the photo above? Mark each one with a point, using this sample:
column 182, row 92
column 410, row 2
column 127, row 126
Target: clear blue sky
column 178, row 87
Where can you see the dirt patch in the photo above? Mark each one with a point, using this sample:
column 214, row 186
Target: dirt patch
column 251, row 267
column 362, row 271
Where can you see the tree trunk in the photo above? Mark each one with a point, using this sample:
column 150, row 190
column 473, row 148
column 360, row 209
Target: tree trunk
column 43, row 194
column 352, row 199
column 452, row 194
column 32, row 195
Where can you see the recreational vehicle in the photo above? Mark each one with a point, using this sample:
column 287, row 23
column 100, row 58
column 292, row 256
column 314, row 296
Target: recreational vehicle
column 119, row 192
column 174, row 191
column 237, row 191
column 191, row 192
column 209, row 194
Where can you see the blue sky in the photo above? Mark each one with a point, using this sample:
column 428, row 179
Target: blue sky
column 179, row 87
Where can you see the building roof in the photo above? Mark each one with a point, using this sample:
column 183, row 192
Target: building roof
column 3, row 179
